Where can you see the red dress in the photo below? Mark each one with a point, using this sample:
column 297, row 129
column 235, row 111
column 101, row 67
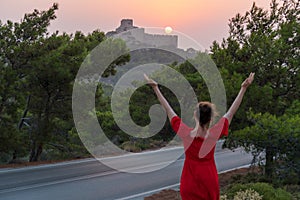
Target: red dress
column 199, row 178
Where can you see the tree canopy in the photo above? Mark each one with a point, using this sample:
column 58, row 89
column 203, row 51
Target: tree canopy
column 41, row 67
column 265, row 42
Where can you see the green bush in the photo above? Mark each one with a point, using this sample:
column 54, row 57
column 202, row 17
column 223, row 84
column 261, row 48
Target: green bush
column 130, row 147
column 294, row 190
column 247, row 195
column 250, row 177
column 4, row 158
column 266, row 190
column 244, row 195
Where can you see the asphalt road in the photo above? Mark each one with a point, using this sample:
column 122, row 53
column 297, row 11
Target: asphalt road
column 91, row 180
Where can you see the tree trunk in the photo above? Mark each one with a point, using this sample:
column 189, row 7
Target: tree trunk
column 269, row 168
column 36, row 152
column 14, row 157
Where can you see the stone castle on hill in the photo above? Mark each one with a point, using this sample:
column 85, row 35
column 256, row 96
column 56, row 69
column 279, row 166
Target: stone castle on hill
column 150, row 48
column 137, row 36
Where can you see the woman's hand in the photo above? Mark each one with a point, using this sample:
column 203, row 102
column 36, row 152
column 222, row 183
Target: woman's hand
column 150, row 81
column 248, row 81
column 161, row 98
column 238, row 100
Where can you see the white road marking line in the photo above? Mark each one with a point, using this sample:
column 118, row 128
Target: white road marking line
column 172, row 186
column 84, row 160
column 65, row 163
column 149, row 192
column 99, row 174
column 80, row 178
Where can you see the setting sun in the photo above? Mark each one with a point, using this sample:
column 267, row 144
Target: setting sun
column 168, row 30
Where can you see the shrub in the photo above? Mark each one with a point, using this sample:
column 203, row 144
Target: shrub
column 130, row 147
column 264, row 189
column 223, row 197
column 294, row 190
column 247, row 195
column 250, row 177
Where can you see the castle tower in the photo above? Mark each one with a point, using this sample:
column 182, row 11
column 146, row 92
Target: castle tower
column 126, row 24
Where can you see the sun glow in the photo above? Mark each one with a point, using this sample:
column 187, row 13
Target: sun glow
column 168, row 30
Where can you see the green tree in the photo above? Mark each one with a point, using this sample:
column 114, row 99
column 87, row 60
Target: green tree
column 11, row 139
column 265, row 42
column 15, row 53
column 274, row 140
column 42, row 66
column 51, row 83
column 143, row 98
column 50, row 86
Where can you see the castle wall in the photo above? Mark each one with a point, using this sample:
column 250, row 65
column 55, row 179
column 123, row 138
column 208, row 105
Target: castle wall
column 137, row 36
column 161, row 40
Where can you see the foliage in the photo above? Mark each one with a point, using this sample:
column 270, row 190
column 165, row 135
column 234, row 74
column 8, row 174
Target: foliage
column 16, row 40
column 143, row 98
column 250, row 177
column 244, row 195
column 10, row 101
column 223, row 197
column 294, row 190
column 263, row 189
column 275, row 140
column 265, row 42
column 41, row 67
column 247, row 195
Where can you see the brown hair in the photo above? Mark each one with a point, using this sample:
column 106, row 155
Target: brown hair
column 205, row 112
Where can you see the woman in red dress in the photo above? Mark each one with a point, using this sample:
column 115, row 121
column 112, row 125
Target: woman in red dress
column 199, row 178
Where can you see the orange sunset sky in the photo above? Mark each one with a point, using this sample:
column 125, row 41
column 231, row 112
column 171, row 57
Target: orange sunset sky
column 204, row 21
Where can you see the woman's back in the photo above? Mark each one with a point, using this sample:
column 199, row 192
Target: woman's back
column 199, row 179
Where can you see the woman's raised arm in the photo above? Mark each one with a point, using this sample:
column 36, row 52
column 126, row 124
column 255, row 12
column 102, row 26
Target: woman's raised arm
column 161, row 98
column 237, row 102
